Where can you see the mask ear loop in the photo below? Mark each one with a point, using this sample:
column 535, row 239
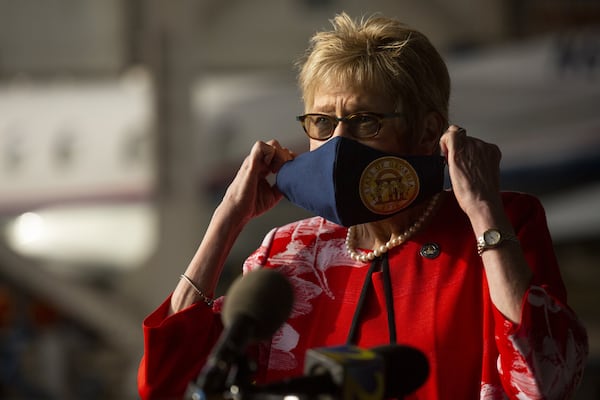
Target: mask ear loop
column 387, row 285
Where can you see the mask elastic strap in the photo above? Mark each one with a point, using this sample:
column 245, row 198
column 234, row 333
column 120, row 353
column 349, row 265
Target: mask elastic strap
column 387, row 286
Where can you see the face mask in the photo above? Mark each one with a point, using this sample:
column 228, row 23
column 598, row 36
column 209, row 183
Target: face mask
column 349, row 183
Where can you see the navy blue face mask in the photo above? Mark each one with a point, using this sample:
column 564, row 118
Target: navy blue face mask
column 349, row 183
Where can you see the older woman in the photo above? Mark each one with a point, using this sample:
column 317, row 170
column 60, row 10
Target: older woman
column 467, row 276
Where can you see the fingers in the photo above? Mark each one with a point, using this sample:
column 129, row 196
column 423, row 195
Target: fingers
column 456, row 130
column 450, row 138
column 277, row 155
column 459, row 130
column 469, row 152
column 284, row 152
column 269, row 155
column 456, row 140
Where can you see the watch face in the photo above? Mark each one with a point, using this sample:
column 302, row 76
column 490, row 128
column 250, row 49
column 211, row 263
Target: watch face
column 492, row 237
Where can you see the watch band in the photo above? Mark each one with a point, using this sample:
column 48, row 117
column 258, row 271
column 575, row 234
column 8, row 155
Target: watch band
column 493, row 238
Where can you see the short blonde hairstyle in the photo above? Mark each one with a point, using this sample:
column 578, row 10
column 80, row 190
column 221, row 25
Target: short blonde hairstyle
column 382, row 55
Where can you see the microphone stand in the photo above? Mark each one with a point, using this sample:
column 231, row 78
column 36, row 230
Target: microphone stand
column 235, row 387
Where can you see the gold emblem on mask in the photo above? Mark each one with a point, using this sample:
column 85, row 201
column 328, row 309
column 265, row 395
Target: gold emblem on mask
column 388, row 184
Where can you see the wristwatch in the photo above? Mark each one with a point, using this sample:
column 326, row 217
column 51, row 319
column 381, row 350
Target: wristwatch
column 493, row 238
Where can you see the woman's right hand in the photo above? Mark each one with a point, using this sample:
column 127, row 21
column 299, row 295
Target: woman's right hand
column 250, row 194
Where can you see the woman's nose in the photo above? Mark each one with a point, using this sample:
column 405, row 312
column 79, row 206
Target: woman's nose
column 341, row 129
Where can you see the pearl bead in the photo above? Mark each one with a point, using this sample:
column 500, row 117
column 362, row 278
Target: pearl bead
column 393, row 242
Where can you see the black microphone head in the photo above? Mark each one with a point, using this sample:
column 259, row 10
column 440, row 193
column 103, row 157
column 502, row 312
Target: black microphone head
column 265, row 296
column 406, row 369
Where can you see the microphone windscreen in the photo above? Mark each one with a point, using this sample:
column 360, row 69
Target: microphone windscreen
column 406, row 369
column 264, row 296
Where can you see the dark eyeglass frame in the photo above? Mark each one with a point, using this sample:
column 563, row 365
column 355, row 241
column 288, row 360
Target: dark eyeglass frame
column 348, row 118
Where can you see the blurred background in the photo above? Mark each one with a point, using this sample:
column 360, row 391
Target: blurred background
column 123, row 121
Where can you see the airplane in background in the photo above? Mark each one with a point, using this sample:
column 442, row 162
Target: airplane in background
column 76, row 170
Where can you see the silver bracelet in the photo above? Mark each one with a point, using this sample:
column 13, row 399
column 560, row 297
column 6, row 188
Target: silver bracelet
column 204, row 297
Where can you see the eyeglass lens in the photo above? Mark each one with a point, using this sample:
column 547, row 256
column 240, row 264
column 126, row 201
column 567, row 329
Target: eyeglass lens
column 358, row 125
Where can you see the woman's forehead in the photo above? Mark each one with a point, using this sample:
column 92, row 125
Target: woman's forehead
column 352, row 98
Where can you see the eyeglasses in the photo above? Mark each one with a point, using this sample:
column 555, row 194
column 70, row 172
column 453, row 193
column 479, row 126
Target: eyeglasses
column 361, row 125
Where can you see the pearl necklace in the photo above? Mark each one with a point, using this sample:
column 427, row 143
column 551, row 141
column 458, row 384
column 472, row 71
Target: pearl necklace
column 394, row 241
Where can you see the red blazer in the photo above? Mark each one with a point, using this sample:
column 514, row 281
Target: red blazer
column 442, row 307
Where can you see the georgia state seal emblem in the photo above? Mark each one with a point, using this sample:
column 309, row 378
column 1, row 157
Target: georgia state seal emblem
column 388, row 184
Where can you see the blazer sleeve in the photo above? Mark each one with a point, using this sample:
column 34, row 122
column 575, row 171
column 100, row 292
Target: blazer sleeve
column 544, row 356
column 176, row 347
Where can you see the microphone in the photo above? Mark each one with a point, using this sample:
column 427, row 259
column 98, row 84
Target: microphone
column 255, row 306
column 349, row 372
column 406, row 369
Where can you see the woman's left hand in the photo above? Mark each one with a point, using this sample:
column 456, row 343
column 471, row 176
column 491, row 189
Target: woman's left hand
column 474, row 169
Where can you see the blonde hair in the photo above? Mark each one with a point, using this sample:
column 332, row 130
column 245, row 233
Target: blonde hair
column 382, row 55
